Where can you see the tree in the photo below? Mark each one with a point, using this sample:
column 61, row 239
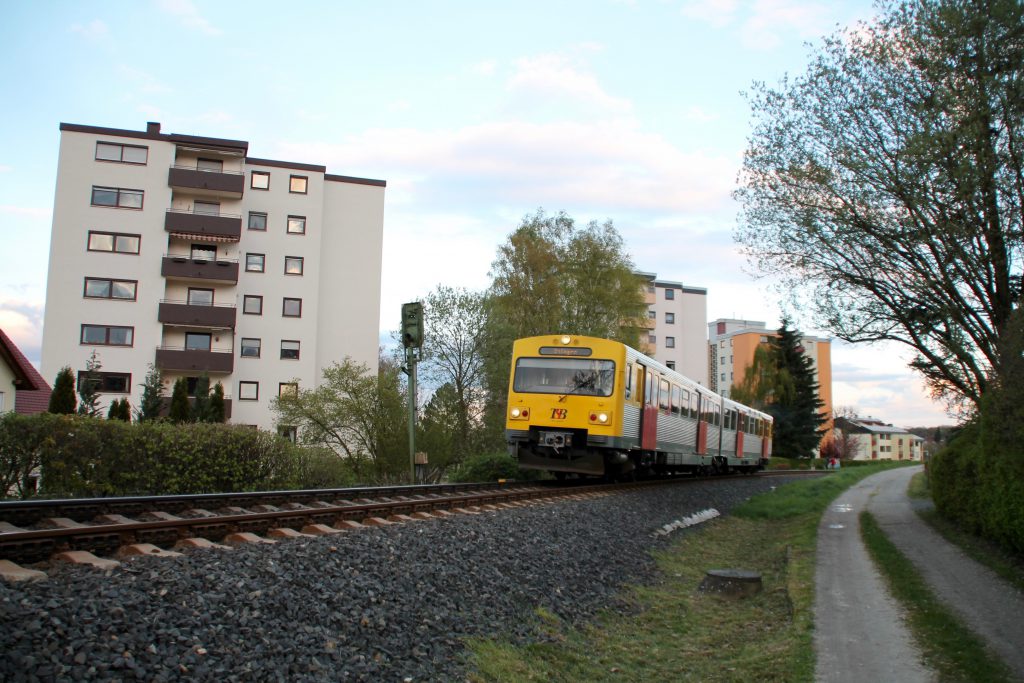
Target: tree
column 152, row 402
column 89, row 388
column 794, row 402
column 551, row 277
column 359, row 415
column 120, row 409
column 217, row 409
column 885, row 184
column 453, row 357
column 761, row 380
column 439, row 426
column 180, row 410
column 201, row 403
column 62, row 398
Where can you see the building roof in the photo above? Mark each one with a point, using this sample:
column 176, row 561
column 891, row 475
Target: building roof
column 873, row 426
column 31, row 392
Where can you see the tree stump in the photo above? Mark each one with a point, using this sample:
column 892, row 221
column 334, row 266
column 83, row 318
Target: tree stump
column 731, row 584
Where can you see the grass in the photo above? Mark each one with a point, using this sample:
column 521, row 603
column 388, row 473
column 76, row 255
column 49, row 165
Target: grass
column 948, row 646
column 674, row 632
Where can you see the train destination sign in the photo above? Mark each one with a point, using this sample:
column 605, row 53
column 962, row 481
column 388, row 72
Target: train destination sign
column 565, row 351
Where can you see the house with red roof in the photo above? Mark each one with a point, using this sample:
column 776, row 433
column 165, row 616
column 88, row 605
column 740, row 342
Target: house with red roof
column 22, row 388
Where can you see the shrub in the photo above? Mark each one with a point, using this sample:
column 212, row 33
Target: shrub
column 490, row 467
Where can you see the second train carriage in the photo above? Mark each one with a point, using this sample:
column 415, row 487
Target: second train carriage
column 597, row 407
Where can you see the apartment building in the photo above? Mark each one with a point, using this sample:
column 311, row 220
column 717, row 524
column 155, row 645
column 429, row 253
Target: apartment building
column 185, row 252
column 675, row 327
column 731, row 347
column 871, row 439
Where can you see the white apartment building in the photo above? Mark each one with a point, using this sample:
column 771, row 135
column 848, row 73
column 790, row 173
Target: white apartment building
column 185, row 252
column 676, row 335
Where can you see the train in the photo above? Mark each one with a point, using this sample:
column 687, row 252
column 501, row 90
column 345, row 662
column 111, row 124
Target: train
column 589, row 407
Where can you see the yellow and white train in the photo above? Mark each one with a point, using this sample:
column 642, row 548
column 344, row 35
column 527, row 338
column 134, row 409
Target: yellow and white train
column 590, row 406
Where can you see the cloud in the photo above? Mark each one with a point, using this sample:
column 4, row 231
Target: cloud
column 94, row 30
column 718, row 13
column 484, row 68
column 143, row 81
column 22, row 321
column 762, row 24
column 5, row 168
column 30, row 211
column 558, row 76
column 188, row 14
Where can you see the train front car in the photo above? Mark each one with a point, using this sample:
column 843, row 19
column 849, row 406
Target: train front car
column 565, row 405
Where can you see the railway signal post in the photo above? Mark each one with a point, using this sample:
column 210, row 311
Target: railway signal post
column 412, row 340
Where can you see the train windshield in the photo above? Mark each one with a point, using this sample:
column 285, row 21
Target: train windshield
column 564, row 376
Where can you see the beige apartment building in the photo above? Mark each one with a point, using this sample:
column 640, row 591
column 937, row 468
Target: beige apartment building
column 867, row 438
column 675, row 326
column 186, row 252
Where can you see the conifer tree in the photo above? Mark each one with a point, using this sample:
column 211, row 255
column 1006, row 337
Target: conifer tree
column 180, row 411
column 152, row 395
column 795, row 404
column 217, row 409
column 62, row 398
column 201, row 405
column 89, row 388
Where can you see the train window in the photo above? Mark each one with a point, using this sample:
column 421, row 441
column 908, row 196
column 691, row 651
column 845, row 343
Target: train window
column 677, row 397
column 693, row 405
column 663, row 402
column 564, row 376
column 650, row 389
column 629, row 381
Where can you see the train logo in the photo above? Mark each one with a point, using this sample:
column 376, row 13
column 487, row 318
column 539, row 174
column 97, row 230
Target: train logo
column 558, row 413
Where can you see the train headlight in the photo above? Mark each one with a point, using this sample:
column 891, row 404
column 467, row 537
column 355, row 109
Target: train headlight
column 519, row 413
column 566, row 339
column 600, row 418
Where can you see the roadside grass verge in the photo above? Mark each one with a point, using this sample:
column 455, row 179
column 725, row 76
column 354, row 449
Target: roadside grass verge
column 672, row 631
column 947, row 645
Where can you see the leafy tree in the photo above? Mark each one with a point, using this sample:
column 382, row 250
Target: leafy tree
column 180, row 410
column 761, row 380
column 438, row 434
column 217, row 409
column 201, row 404
column 120, row 409
column 152, row 395
column 794, row 403
column 885, row 183
column 453, row 357
column 62, row 398
column 551, row 277
column 359, row 415
column 89, row 388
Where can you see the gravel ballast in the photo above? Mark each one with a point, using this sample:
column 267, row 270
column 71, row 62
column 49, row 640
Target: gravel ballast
column 391, row 603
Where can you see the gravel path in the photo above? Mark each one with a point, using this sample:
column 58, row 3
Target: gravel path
column 391, row 604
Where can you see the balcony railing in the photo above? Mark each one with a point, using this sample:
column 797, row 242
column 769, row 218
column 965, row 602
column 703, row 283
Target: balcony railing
column 211, row 269
column 215, row 226
column 207, row 182
column 218, row 316
column 180, row 359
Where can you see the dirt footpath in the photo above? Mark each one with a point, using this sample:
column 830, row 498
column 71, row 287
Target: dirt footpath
column 859, row 634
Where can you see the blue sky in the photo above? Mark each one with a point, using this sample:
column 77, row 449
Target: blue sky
column 475, row 113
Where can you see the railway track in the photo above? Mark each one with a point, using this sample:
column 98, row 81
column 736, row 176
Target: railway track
column 81, row 530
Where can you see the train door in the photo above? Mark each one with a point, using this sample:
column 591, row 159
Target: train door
column 702, row 425
column 648, row 385
column 741, row 427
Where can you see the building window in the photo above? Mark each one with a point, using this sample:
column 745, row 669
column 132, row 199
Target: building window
column 252, row 304
column 206, row 208
column 289, row 349
column 653, row 315
column 101, row 288
column 254, row 263
column 296, row 225
column 260, row 180
column 108, row 382
column 125, row 154
column 652, row 339
column 257, row 221
column 203, row 252
column 200, row 297
column 291, row 308
column 248, row 391
column 115, row 242
column 293, row 265
column 670, row 342
column 287, row 432
column 107, row 335
column 215, row 165
column 670, row 294
column 670, row 318
column 298, row 184
column 287, row 389
column 250, row 347
column 671, row 365
column 117, row 197
column 197, row 341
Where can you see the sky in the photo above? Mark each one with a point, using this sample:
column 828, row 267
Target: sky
column 475, row 113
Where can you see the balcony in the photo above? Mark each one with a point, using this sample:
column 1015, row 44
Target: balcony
column 180, row 359
column 215, row 227
column 207, row 182
column 194, row 315
column 208, row 270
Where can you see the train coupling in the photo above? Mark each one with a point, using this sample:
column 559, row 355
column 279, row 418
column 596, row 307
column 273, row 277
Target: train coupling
column 555, row 440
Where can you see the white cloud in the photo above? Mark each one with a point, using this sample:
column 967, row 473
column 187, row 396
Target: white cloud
column 484, row 68
column 188, row 14
column 718, row 13
column 557, row 76
column 6, row 169
column 22, row 321
column 696, row 114
column 143, row 81
column 94, row 30
column 763, row 24
column 30, row 211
